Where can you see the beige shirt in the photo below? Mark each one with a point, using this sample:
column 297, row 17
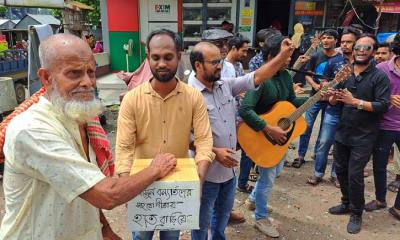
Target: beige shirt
column 149, row 124
column 45, row 172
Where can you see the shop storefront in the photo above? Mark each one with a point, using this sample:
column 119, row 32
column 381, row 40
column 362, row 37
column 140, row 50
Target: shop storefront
column 200, row 15
column 127, row 21
column 132, row 20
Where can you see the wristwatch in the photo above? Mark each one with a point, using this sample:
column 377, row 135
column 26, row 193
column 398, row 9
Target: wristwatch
column 360, row 105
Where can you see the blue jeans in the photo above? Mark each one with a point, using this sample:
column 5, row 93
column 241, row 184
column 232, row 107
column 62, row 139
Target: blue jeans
column 311, row 115
column 381, row 153
column 280, row 165
column 148, row 235
column 326, row 139
column 245, row 167
column 263, row 187
column 215, row 208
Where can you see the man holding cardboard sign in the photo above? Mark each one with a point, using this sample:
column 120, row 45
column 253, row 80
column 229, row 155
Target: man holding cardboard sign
column 158, row 116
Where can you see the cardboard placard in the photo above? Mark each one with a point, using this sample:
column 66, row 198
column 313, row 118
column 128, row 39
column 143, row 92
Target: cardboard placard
column 172, row 203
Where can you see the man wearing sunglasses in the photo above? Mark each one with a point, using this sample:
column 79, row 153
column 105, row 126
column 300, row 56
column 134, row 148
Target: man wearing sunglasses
column 331, row 116
column 219, row 187
column 365, row 95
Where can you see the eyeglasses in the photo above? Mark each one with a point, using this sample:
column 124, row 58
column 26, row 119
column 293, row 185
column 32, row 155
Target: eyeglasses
column 362, row 47
column 216, row 62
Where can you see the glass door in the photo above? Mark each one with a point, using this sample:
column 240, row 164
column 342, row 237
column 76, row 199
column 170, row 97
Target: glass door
column 192, row 21
column 219, row 11
column 199, row 15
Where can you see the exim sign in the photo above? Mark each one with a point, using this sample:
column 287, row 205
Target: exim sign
column 162, row 8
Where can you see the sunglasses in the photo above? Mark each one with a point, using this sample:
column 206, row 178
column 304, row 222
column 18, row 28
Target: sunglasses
column 359, row 47
column 216, row 62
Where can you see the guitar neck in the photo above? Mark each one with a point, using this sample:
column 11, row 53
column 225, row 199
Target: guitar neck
column 298, row 64
column 310, row 102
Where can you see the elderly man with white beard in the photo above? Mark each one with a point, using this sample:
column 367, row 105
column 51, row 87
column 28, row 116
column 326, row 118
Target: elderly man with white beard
column 53, row 183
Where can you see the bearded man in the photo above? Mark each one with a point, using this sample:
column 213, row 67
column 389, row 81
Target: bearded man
column 159, row 116
column 365, row 96
column 54, row 177
column 218, row 192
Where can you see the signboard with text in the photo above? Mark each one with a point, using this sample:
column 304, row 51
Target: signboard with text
column 163, row 10
column 307, row 8
column 247, row 18
column 309, row 13
column 172, row 203
column 388, row 7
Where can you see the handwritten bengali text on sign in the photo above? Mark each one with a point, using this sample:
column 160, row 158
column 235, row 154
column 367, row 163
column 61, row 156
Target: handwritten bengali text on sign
column 166, row 204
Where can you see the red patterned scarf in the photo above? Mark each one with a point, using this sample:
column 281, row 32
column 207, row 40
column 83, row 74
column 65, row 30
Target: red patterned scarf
column 97, row 135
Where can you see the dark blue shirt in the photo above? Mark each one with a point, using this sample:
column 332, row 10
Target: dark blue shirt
column 332, row 68
column 317, row 64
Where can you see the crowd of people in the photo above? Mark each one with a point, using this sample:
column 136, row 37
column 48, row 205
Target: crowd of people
column 59, row 165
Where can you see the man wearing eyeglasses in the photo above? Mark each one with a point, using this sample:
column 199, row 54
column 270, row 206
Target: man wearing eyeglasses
column 219, row 38
column 365, row 95
column 219, row 187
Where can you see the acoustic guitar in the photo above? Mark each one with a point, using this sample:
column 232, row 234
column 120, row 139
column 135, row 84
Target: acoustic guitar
column 298, row 64
column 261, row 147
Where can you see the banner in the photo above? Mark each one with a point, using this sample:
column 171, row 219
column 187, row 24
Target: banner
column 307, row 8
column 388, row 7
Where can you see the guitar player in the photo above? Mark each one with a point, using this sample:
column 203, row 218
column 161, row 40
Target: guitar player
column 316, row 65
column 332, row 112
column 279, row 88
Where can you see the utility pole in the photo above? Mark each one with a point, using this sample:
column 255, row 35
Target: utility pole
column 10, row 13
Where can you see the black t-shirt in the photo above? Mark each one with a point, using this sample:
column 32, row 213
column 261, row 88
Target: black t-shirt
column 360, row 127
column 317, row 64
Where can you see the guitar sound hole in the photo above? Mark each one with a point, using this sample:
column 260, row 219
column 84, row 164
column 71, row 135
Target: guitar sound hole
column 284, row 123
